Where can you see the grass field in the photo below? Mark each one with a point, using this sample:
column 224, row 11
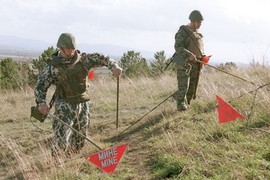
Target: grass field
column 165, row 144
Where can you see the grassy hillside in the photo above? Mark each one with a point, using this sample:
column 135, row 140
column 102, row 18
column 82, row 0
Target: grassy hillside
column 164, row 144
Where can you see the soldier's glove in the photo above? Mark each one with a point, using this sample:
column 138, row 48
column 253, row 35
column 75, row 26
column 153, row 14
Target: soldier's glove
column 206, row 59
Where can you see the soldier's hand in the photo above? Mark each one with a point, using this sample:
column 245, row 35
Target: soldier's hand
column 117, row 71
column 43, row 108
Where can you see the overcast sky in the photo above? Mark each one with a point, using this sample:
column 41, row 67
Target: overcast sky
column 234, row 30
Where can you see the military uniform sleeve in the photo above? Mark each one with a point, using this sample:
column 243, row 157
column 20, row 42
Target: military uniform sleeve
column 44, row 81
column 99, row 60
column 179, row 46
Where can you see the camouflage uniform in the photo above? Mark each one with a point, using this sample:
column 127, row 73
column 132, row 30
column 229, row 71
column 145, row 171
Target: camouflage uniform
column 187, row 72
column 74, row 113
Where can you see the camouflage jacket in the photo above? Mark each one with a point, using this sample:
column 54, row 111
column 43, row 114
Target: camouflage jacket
column 75, row 71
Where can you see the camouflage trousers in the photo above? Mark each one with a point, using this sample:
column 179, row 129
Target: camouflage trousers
column 187, row 75
column 76, row 116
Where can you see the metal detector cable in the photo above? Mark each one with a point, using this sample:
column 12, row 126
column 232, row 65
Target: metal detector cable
column 43, row 130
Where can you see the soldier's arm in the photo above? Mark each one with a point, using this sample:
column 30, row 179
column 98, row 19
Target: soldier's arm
column 99, row 60
column 44, row 81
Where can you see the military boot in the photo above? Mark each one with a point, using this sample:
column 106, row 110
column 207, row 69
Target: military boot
column 182, row 106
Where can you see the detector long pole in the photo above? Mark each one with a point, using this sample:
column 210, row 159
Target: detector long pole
column 148, row 113
column 117, row 102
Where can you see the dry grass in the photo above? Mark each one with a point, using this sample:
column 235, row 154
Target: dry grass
column 164, row 144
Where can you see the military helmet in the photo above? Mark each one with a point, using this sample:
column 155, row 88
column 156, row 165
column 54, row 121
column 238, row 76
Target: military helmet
column 195, row 16
column 66, row 40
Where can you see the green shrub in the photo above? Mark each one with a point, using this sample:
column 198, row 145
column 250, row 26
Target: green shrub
column 134, row 65
column 9, row 74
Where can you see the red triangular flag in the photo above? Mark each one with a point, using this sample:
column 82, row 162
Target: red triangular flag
column 108, row 159
column 91, row 74
column 226, row 112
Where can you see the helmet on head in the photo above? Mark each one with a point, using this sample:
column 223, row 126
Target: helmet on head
column 66, row 40
column 195, row 16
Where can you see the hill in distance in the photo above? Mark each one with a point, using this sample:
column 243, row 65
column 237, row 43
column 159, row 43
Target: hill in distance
column 15, row 46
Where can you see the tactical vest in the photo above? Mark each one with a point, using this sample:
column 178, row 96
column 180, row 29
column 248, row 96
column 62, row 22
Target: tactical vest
column 194, row 42
column 72, row 84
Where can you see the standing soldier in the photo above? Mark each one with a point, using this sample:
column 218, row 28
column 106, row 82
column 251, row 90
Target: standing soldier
column 188, row 48
column 68, row 70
